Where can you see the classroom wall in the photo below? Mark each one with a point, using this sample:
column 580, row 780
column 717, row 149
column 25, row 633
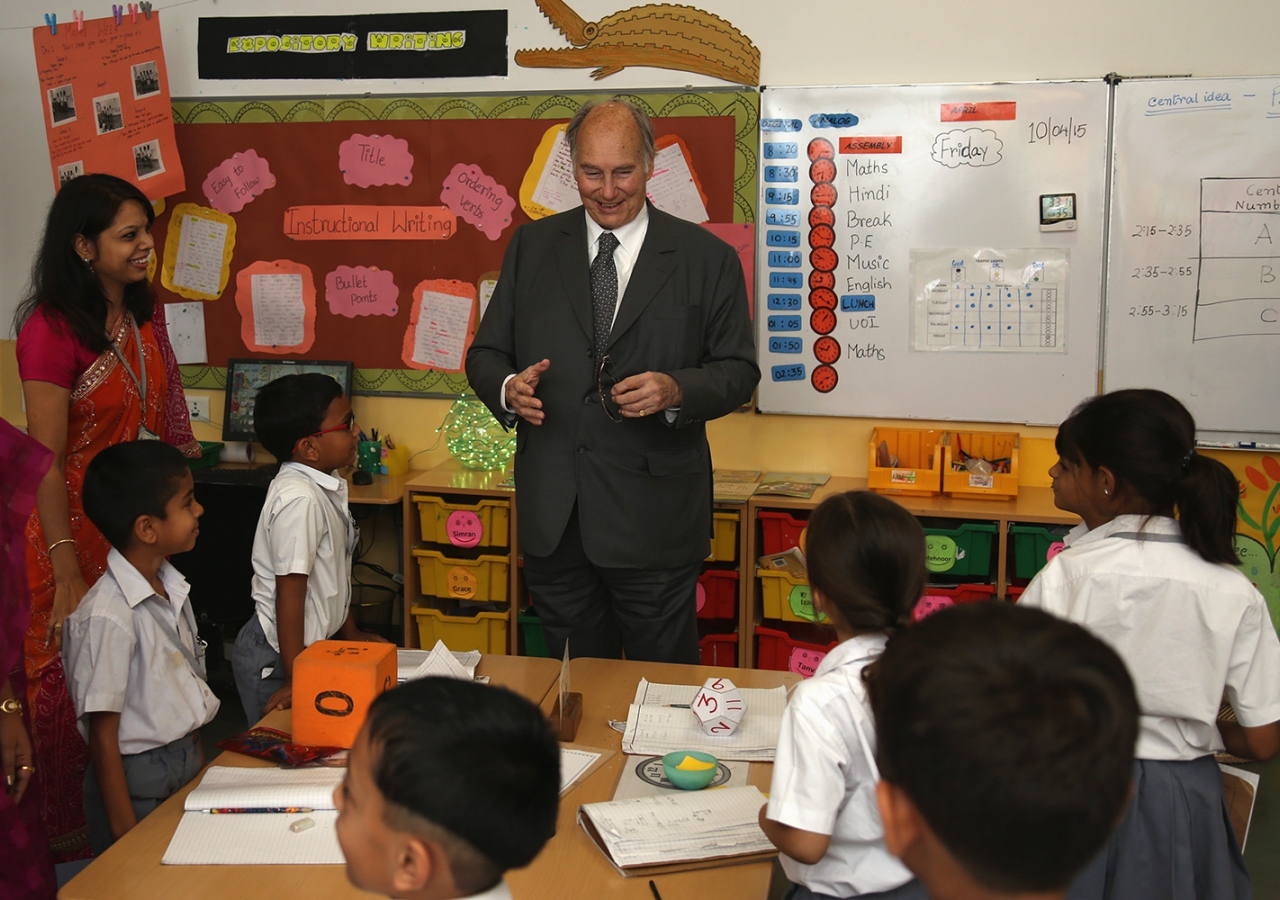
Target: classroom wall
column 804, row 42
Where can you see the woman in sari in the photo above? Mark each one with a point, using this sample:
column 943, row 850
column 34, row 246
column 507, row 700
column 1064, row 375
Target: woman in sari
column 96, row 370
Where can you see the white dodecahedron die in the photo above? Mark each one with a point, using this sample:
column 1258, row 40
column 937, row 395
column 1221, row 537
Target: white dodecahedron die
column 719, row 707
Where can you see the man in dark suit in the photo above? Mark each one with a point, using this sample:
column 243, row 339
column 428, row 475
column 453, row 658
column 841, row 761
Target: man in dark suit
column 615, row 332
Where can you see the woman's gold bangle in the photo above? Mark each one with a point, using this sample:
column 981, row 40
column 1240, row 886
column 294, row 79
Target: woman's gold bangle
column 56, row 543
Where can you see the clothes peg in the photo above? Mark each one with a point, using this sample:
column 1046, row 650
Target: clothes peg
column 51, row 19
column 133, row 13
column 145, row 6
column 78, row 16
column 117, row 10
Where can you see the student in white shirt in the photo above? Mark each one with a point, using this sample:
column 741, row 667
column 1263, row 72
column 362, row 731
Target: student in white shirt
column 1191, row 628
column 866, row 560
column 1005, row 742
column 134, row 661
column 305, row 541
column 450, row 784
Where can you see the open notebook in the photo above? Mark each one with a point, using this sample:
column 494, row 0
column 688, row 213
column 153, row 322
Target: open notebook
column 671, row 832
column 655, row 726
column 258, row 839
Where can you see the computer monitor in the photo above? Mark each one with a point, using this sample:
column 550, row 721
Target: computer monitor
column 245, row 377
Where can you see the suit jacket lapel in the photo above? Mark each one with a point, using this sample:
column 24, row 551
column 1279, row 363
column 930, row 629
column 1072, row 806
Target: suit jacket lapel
column 571, row 257
column 653, row 267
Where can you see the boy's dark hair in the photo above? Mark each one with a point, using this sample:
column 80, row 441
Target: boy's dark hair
column 291, row 408
column 866, row 554
column 477, row 762
column 1147, row 439
column 136, row 478
column 61, row 282
column 1013, row 734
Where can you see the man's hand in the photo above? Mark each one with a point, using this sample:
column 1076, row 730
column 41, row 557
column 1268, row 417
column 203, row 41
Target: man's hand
column 520, row 398
column 646, row 394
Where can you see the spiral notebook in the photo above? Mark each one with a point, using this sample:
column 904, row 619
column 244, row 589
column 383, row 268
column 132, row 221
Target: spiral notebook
column 258, row 839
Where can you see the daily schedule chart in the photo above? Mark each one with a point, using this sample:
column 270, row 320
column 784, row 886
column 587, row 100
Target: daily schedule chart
column 931, row 248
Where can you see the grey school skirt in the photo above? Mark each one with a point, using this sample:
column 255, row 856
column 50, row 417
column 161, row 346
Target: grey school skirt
column 1174, row 843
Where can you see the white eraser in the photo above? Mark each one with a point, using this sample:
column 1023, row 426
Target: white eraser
column 302, row 824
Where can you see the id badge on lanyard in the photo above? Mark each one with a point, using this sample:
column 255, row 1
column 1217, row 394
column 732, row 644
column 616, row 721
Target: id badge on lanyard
column 144, row 433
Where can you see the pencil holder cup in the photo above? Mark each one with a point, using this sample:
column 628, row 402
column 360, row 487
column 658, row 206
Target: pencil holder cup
column 369, row 456
column 396, row 460
column 690, row 770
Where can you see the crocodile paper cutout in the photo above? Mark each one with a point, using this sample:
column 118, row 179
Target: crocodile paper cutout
column 661, row 35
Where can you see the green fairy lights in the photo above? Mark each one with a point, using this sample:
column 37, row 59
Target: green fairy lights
column 475, row 438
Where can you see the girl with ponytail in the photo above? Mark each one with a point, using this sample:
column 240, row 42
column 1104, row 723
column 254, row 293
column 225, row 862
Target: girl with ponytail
column 1150, row 572
column 866, row 561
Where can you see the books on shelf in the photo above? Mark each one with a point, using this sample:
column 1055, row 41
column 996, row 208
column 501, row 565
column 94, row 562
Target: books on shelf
column 800, row 485
column 734, row 485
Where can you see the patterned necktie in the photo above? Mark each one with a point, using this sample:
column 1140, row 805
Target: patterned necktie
column 604, row 290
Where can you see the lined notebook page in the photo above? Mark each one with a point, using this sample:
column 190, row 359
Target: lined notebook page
column 235, row 786
column 254, row 839
column 654, row 727
column 676, row 827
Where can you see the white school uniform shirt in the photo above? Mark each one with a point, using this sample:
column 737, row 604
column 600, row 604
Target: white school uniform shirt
column 305, row 528
column 1186, row 629
column 118, row 658
column 499, row 891
column 823, row 781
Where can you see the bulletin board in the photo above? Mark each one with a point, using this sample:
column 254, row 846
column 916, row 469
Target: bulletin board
column 296, row 148
column 902, row 265
column 1193, row 284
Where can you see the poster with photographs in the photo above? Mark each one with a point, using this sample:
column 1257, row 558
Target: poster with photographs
column 106, row 100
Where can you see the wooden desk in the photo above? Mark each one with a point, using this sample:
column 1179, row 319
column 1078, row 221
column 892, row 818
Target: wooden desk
column 131, row 869
column 571, row 866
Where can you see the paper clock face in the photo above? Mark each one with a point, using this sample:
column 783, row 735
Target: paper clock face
column 719, row 707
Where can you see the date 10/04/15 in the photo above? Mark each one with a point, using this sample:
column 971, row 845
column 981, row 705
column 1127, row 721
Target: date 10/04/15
column 1168, row 311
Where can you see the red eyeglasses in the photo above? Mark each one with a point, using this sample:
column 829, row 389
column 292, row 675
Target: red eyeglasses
column 347, row 425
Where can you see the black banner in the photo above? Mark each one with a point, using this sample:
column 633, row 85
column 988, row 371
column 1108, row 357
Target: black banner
column 386, row 45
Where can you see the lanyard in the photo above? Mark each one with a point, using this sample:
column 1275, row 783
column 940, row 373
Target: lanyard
column 141, row 385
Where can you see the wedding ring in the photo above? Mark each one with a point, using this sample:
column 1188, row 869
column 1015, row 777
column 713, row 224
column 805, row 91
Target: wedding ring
column 57, row 627
column 26, row 768
column 644, row 412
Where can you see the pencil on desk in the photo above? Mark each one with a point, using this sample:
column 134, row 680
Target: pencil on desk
column 653, row 887
column 228, row 810
column 679, row 705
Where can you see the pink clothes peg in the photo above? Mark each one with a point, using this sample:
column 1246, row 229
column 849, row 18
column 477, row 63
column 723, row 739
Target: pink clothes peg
column 133, row 13
column 78, row 16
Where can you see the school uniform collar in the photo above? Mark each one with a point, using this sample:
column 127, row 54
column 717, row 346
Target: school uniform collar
column 1161, row 527
column 326, row 480
column 630, row 236
column 861, row 648
column 134, row 586
column 499, row 891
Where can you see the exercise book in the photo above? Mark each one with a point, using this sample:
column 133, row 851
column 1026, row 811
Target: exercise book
column 659, row 721
column 258, row 839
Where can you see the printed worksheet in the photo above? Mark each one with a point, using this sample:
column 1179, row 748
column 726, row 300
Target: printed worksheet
column 185, row 322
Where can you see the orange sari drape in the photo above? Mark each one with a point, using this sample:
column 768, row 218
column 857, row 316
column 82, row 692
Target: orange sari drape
column 105, row 410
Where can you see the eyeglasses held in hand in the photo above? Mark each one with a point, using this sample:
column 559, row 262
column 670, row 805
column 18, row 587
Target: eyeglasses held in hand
column 605, row 380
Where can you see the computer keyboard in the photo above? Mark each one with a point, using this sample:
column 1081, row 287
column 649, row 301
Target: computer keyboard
column 258, row 476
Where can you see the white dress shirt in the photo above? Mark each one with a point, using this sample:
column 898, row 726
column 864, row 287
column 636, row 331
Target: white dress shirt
column 305, row 529
column 118, row 658
column 823, row 781
column 1186, row 629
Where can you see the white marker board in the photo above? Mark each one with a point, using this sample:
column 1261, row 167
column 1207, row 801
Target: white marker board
column 950, row 302
column 1193, row 283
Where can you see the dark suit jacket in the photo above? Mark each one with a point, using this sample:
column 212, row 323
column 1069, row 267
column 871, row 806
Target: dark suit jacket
column 643, row 486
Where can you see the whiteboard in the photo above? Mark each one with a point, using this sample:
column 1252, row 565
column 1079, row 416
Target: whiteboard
column 1193, row 284
column 950, row 302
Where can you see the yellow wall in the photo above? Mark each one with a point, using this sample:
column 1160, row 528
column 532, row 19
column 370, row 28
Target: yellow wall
column 837, row 446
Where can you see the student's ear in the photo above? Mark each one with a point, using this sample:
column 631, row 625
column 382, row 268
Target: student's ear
column 144, row 530
column 1106, row 479
column 415, row 865
column 900, row 817
column 306, row 450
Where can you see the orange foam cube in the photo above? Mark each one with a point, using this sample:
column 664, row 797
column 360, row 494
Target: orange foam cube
column 334, row 682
